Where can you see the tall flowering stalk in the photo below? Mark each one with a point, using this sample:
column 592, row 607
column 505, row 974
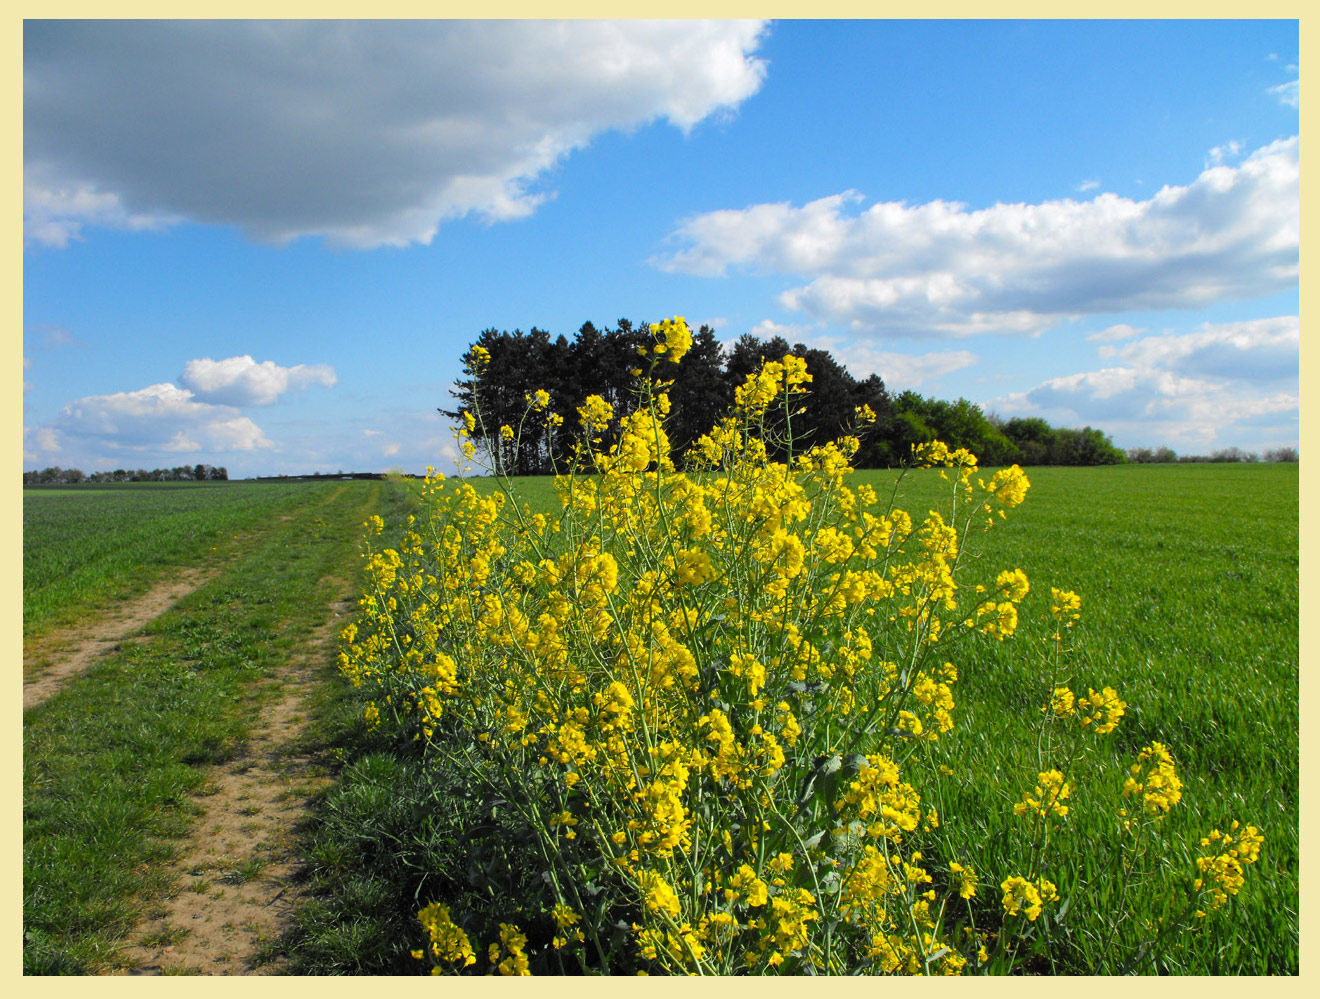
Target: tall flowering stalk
column 702, row 695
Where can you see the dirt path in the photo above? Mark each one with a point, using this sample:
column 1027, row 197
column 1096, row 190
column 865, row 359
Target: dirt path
column 52, row 660
column 233, row 890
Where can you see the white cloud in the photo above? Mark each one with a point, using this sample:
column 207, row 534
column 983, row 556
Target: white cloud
column 1121, row 331
column 241, row 381
column 55, row 211
column 767, row 329
column 182, row 442
column 159, row 417
column 54, row 335
column 1088, row 185
column 48, row 440
column 369, row 133
column 1258, row 350
column 899, row 371
column 390, row 450
column 1229, row 383
column 1229, row 150
column 1287, row 93
column 372, row 433
column 942, row 270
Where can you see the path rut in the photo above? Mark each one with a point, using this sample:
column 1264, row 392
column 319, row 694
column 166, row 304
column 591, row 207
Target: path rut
column 233, row 880
column 62, row 655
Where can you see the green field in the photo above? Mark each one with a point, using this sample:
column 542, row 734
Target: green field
column 111, row 763
column 85, row 545
column 1188, row 576
column 1189, row 582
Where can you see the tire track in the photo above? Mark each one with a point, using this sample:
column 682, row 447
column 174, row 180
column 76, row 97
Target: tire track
column 55, row 659
column 233, row 881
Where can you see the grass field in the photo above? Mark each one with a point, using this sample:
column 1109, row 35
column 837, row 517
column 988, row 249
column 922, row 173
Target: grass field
column 83, row 546
column 1189, row 582
column 111, row 763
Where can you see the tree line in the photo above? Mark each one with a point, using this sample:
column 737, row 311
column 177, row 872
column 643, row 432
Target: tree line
column 182, row 473
column 601, row 361
column 1166, row 455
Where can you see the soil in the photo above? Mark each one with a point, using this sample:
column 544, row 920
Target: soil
column 55, row 658
column 234, row 886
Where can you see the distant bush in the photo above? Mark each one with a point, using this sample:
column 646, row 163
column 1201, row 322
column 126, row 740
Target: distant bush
column 1148, row 456
column 1280, row 454
column 1223, row 455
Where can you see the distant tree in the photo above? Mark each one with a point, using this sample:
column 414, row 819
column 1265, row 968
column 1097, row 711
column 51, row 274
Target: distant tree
column 1033, row 437
column 603, row 361
column 877, row 449
column 1233, row 454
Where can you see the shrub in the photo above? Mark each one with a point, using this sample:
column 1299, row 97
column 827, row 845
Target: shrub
column 700, row 710
column 1280, row 454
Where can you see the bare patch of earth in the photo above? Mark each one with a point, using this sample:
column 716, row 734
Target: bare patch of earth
column 233, row 880
column 52, row 660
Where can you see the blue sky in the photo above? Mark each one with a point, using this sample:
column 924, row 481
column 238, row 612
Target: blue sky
column 265, row 246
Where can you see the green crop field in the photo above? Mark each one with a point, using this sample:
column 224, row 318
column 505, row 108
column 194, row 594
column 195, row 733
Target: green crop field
column 1188, row 577
column 84, row 545
column 113, row 761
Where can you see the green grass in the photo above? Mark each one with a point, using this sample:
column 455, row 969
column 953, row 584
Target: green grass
column 85, row 546
column 112, row 761
column 1189, row 581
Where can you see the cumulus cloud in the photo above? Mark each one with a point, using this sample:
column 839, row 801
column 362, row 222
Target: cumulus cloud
column 1088, row 185
column 898, row 371
column 767, row 329
column 1120, row 331
column 369, row 133
column 55, row 209
column 241, row 381
column 1229, row 150
column 159, row 417
column 1287, row 93
column 1259, row 350
column 1227, row 383
column 941, row 269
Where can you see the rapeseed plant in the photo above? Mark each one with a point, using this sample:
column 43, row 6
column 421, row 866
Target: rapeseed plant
column 706, row 696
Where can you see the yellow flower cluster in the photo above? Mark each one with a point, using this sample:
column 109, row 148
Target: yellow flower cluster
column 510, row 955
column 1047, row 798
column 708, row 689
column 1027, row 897
column 1222, row 873
column 1102, row 710
column 1159, row 787
column 1065, row 606
column 447, row 942
column 673, row 337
